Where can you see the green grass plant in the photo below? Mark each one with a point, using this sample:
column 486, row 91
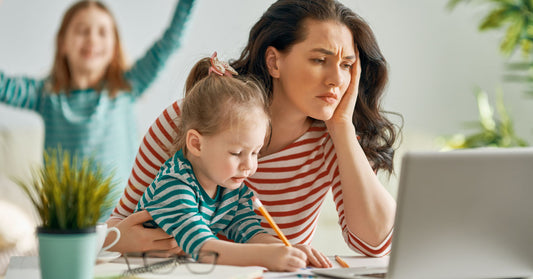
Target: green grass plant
column 69, row 192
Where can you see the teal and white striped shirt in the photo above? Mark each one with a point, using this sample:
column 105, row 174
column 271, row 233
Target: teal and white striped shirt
column 181, row 207
column 89, row 122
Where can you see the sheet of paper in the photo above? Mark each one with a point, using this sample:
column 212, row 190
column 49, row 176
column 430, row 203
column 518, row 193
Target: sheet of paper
column 28, row 268
column 302, row 273
column 112, row 270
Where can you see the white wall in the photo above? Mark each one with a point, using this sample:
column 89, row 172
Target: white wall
column 436, row 57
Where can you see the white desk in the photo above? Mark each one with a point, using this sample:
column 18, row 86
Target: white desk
column 28, row 268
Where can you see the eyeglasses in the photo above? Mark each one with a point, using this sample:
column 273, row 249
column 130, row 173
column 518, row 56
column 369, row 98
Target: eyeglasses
column 160, row 262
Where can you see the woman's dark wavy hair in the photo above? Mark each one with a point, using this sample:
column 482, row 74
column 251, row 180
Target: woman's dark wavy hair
column 282, row 26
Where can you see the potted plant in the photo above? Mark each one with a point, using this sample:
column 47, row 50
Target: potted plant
column 69, row 194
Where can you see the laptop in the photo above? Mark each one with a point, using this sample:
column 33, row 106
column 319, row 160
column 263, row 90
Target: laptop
column 460, row 214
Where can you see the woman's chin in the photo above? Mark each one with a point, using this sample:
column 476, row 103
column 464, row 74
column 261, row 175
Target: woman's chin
column 323, row 115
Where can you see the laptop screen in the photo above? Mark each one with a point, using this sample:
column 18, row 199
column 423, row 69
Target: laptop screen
column 464, row 214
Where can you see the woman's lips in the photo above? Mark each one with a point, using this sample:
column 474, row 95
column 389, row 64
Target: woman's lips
column 329, row 98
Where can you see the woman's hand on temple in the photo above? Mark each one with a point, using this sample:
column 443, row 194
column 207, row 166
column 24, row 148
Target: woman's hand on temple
column 344, row 112
column 136, row 238
column 315, row 258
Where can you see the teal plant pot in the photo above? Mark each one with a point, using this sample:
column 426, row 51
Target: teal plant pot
column 67, row 254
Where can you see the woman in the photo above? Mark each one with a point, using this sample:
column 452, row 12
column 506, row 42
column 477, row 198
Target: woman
column 324, row 75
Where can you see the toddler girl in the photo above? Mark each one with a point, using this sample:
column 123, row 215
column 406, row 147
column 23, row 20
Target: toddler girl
column 199, row 192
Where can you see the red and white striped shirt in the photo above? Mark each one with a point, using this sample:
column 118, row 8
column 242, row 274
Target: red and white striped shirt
column 291, row 183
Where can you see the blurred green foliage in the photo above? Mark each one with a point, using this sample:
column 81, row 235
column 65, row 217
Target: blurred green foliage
column 493, row 131
column 516, row 17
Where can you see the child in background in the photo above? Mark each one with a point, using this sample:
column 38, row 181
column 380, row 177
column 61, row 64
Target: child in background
column 87, row 101
column 199, row 192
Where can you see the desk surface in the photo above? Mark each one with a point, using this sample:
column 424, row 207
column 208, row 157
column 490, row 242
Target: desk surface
column 28, row 268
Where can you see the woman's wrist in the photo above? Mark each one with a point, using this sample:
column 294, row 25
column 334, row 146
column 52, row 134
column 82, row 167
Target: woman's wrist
column 344, row 129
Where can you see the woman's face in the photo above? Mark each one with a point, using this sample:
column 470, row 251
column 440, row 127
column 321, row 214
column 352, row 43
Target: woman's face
column 314, row 74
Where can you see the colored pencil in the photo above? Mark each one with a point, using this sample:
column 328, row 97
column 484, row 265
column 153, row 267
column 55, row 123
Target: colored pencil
column 341, row 262
column 269, row 219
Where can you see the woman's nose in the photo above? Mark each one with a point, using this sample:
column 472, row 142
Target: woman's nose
column 334, row 77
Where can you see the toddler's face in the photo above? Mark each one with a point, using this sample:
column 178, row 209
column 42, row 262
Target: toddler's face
column 89, row 42
column 230, row 157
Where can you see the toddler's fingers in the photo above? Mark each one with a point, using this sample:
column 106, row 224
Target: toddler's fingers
column 322, row 260
column 313, row 259
column 299, row 253
column 296, row 263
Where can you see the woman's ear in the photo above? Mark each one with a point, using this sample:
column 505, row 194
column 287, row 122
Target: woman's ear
column 193, row 141
column 272, row 56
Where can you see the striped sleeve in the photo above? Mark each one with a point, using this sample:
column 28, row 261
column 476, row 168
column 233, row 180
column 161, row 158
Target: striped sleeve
column 354, row 242
column 245, row 223
column 20, row 92
column 351, row 239
column 151, row 155
column 146, row 69
column 174, row 207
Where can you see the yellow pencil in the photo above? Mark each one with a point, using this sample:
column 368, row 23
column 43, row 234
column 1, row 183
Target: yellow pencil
column 267, row 216
column 341, row 262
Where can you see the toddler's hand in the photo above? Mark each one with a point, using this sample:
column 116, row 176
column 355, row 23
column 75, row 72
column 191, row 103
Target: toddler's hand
column 283, row 258
column 314, row 257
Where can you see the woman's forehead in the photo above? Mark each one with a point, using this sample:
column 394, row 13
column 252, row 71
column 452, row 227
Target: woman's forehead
column 328, row 35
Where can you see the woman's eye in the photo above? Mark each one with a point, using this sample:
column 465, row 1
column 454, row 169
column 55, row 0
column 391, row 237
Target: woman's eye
column 347, row 65
column 319, row 60
column 235, row 153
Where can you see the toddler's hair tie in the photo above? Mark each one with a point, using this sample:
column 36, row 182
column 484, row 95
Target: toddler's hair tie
column 221, row 68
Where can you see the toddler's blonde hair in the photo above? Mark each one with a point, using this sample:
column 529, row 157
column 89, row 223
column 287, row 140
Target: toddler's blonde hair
column 214, row 103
